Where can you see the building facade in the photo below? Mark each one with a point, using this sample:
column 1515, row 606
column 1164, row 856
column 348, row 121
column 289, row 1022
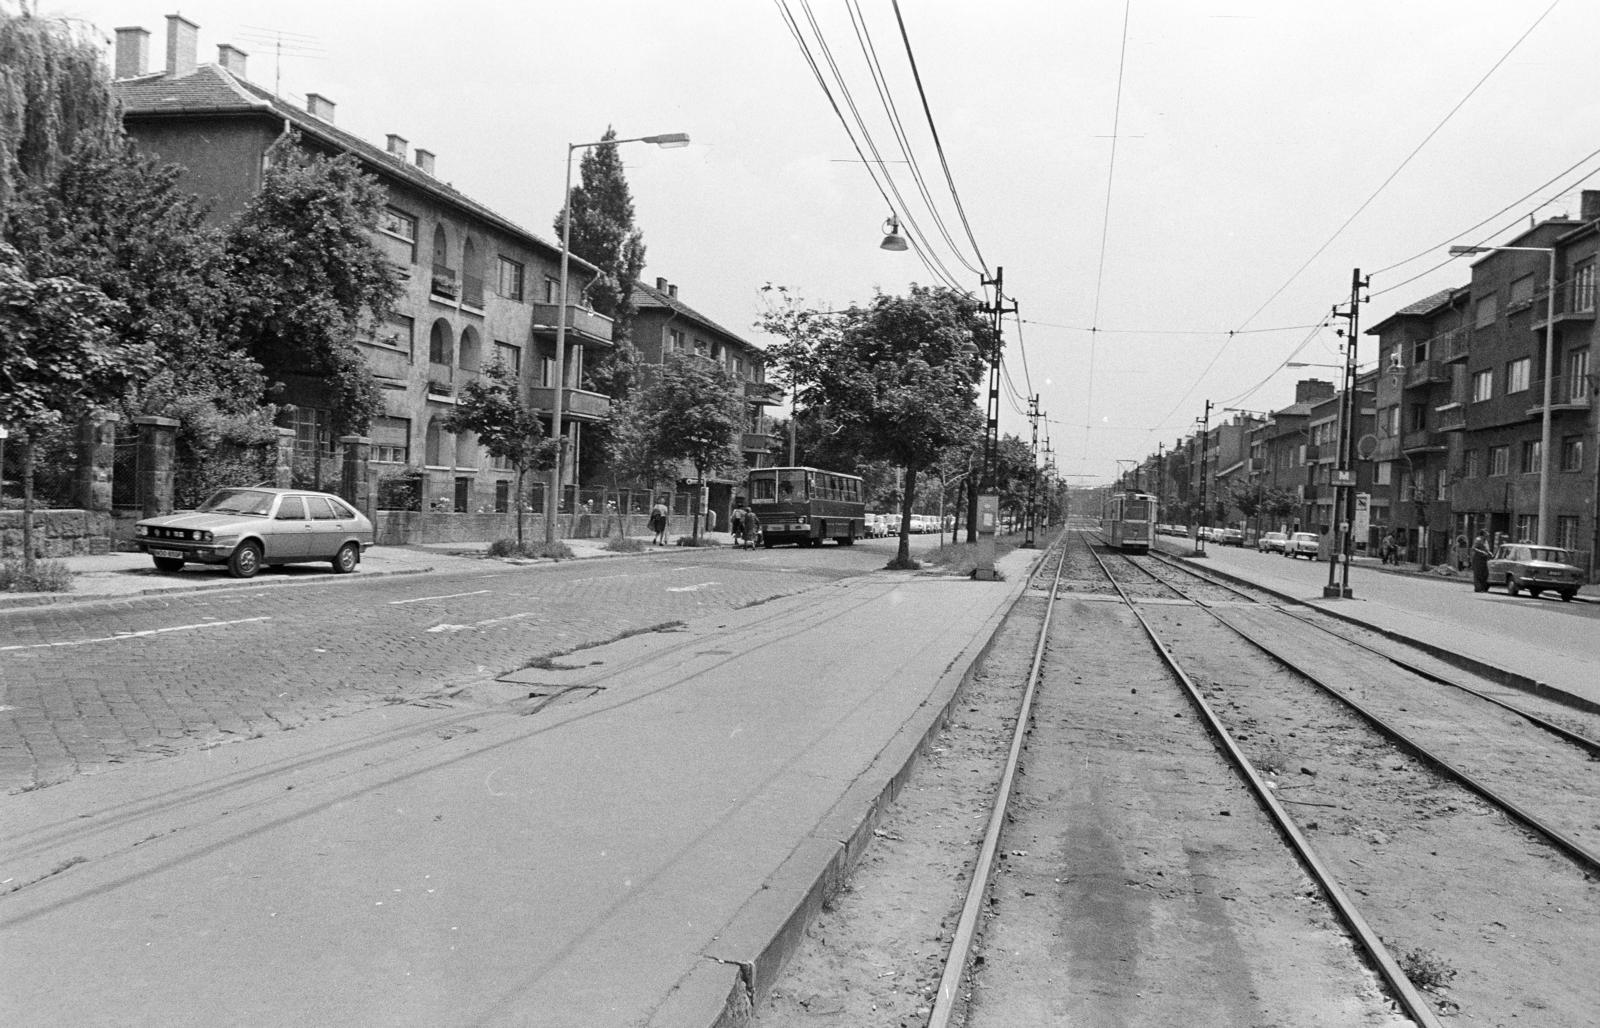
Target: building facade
column 476, row 288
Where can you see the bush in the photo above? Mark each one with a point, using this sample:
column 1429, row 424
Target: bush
column 48, row 576
column 512, row 548
column 962, row 558
column 625, row 544
column 689, row 540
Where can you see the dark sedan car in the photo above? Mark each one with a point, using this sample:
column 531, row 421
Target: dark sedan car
column 246, row 528
column 1521, row 566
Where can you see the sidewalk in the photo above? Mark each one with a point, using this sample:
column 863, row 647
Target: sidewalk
column 119, row 575
column 645, row 848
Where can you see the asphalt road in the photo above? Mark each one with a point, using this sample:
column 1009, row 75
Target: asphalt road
column 95, row 685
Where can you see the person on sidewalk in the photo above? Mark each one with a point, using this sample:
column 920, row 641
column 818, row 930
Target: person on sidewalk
column 1386, row 551
column 1480, row 564
column 658, row 522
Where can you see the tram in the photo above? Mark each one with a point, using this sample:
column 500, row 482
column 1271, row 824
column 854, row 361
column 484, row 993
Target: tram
column 1131, row 522
column 806, row 506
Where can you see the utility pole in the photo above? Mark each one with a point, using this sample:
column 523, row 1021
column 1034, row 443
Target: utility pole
column 1161, row 476
column 988, row 503
column 1033, row 466
column 1344, row 493
column 1205, row 443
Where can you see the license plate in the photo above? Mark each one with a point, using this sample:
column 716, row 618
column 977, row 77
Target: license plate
column 171, row 554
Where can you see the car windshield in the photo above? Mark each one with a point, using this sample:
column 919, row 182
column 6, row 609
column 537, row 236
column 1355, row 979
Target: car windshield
column 239, row 501
column 1550, row 555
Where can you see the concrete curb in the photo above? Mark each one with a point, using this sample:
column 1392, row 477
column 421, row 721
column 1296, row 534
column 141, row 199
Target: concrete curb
column 752, row 950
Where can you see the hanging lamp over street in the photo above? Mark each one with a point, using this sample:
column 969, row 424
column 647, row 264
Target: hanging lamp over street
column 892, row 239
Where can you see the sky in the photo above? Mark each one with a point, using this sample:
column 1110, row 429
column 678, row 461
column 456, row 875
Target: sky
column 1175, row 193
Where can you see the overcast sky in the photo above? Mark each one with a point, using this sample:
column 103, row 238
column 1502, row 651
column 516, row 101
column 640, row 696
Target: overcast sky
column 1221, row 166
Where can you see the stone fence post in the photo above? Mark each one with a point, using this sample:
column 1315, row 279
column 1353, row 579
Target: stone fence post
column 158, row 442
column 97, row 458
column 283, row 471
column 355, row 485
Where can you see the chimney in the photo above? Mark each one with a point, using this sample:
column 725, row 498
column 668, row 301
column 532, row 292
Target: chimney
column 1312, row 390
column 425, row 160
column 232, row 60
column 1591, row 205
column 183, row 40
column 397, row 146
column 661, row 284
column 319, row 107
column 133, row 52
column 672, row 290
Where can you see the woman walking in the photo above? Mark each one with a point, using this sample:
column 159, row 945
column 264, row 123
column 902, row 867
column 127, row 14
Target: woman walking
column 1480, row 564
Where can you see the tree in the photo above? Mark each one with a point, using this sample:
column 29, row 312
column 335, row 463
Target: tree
column 689, row 412
column 310, row 278
column 898, row 377
column 603, row 233
column 507, row 427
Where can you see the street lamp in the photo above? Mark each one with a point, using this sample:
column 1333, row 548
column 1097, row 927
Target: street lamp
column 1549, row 376
column 670, row 140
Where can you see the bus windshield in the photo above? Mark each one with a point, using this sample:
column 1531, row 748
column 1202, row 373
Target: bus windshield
column 777, row 485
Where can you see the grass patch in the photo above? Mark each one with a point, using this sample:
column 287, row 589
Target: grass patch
column 689, row 540
column 512, row 548
column 48, row 576
column 962, row 558
column 547, row 662
column 626, row 544
column 1426, row 969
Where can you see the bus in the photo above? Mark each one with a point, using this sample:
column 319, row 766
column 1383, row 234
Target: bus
column 1131, row 521
column 804, row 506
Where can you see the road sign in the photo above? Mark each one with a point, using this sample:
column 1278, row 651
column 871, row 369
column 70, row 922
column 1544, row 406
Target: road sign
column 1344, row 478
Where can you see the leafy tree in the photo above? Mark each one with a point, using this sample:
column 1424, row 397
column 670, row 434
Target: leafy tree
column 310, row 278
column 689, row 412
column 506, row 426
column 603, row 233
column 898, row 377
column 1279, row 504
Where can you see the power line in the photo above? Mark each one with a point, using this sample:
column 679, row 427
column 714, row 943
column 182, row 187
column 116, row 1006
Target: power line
column 1105, row 221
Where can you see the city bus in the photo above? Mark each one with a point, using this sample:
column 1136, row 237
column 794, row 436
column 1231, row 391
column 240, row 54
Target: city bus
column 804, row 506
column 1131, row 521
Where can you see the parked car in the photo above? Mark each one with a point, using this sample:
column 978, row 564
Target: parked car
column 1535, row 568
column 1302, row 544
column 1230, row 536
column 1272, row 542
column 891, row 524
column 246, row 528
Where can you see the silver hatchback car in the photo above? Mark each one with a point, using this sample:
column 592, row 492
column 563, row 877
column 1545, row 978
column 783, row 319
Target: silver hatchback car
column 246, row 528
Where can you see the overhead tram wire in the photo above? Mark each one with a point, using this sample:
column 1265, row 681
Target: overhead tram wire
column 938, row 147
column 870, row 52
column 912, row 224
column 872, row 168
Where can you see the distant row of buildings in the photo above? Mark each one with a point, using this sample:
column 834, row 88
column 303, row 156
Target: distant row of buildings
column 1449, row 424
column 477, row 287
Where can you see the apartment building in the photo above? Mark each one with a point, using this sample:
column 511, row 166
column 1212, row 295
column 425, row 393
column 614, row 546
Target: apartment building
column 477, row 287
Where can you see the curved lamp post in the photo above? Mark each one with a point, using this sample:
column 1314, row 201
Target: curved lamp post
column 552, row 496
column 1549, row 376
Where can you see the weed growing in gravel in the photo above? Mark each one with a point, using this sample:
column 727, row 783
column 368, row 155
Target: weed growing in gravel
column 625, row 544
column 1426, row 969
column 48, row 576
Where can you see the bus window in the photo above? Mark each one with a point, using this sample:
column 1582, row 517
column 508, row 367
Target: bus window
column 792, row 485
column 763, row 487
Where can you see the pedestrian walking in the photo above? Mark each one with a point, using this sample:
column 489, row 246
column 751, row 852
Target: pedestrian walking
column 1480, row 564
column 1386, row 551
column 1460, row 556
column 658, row 522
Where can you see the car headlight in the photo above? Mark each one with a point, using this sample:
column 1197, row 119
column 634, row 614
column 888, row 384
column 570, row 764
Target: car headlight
column 141, row 529
column 204, row 537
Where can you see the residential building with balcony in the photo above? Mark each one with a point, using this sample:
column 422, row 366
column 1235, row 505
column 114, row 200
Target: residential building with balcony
column 664, row 325
column 477, row 288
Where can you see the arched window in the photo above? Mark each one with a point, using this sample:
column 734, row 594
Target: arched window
column 471, row 273
column 470, row 352
column 466, row 450
column 433, row 445
column 441, row 247
column 440, row 350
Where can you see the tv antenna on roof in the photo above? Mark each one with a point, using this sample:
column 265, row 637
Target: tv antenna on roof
column 284, row 44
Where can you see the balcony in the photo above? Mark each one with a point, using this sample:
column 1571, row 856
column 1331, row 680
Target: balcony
column 1574, row 302
column 1451, row 418
column 763, row 392
column 758, row 442
column 1450, row 346
column 1314, row 452
column 1421, row 440
column 1388, row 448
column 1565, row 394
column 444, row 284
column 1426, row 373
column 588, row 326
column 576, row 404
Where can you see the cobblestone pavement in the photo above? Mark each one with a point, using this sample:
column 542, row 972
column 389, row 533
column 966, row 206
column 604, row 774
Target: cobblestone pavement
column 86, row 687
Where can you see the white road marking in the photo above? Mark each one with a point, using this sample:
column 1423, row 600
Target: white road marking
column 690, row 588
column 449, row 596
column 131, row 635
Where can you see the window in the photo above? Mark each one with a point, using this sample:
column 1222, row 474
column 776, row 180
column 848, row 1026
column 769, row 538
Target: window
column 1391, row 421
column 1385, row 474
column 1485, row 312
column 550, row 287
column 1521, row 292
column 469, row 349
column 1567, row 531
column 509, row 356
column 1577, row 376
column 1531, row 449
column 1572, row 453
column 291, row 508
column 1517, row 375
column 324, row 509
column 1499, row 460
column 1527, row 527
column 433, row 447
column 1482, row 385
column 391, row 440
column 466, row 450
column 674, row 340
column 1582, row 295
column 402, row 226
column 397, row 333
column 502, row 496
column 510, row 279
column 440, row 350
column 1417, row 417
column 547, row 372
column 1474, row 468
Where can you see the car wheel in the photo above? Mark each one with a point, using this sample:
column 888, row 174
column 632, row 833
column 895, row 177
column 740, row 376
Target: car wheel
column 168, row 564
column 346, row 559
column 1511, row 585
column 1567, row 595
column 246, row 560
